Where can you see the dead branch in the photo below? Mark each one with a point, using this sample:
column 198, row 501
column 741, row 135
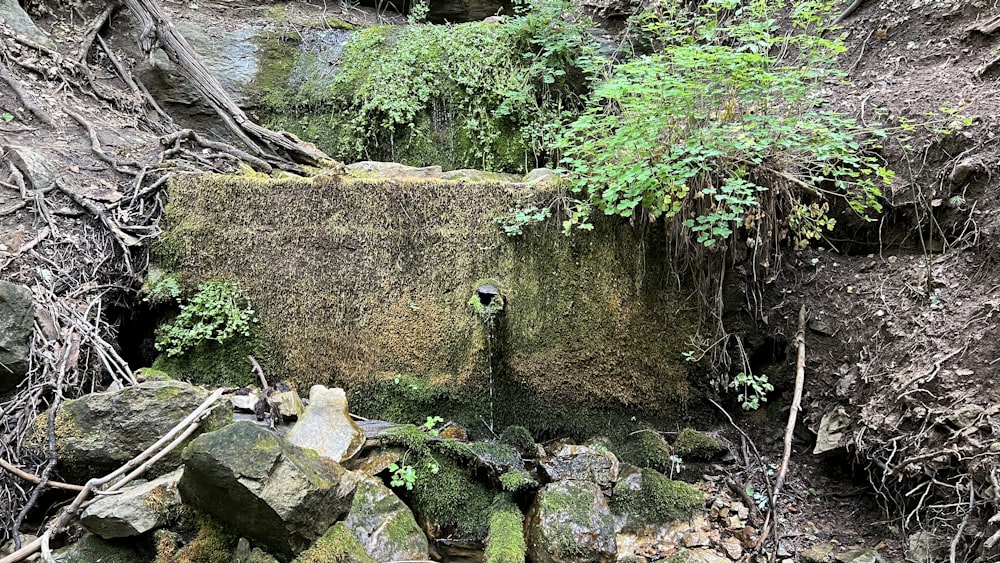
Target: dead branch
column 259, row 372
column 848, row 11
column 16, row 471
column 130, row 470
column 23, row 97
column 986, row 67
column 800, row 341
column 159, row 31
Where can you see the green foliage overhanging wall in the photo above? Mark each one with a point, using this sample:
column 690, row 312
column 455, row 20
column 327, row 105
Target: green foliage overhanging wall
column 474, row 95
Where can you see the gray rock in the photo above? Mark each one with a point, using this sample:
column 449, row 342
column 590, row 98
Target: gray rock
column 833, row 432
column 390, row 170
column 97, row 433
column 22, row 24
column 16, row 323
column 472, row 175
column 326, row 426
column 136, row 510
column 582, row 463
column 264, row 488
column 570, row 522
column 383, row 525
column 91, row 548
column 37, row 168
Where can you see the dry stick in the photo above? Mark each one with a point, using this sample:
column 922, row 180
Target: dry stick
column 847, row 13
column 125, row 76
column 800, row 364
column 138, row 461
column 23, row 97
column 260, row 372
column 14, row 470
column 155, row 23
column 760, row 460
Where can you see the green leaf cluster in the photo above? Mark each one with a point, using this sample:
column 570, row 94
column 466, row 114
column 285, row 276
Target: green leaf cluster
column 217, row 311
column 497, row 91
column 722, row 116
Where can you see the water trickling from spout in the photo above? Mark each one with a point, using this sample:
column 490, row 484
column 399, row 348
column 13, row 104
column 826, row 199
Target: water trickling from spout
column 488, row 302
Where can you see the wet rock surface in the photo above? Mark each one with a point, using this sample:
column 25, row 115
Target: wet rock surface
column 570, row 522
column 584, row 463
column 383, row 525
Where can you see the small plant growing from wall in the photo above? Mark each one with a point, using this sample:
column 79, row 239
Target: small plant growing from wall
column 217, row 311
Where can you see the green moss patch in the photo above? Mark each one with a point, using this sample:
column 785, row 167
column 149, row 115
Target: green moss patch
column 646, row 448
column 698, row 446
column 337, row 545
column 656, row 500
column 505, row 541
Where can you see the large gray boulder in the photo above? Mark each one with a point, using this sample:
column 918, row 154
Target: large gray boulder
column 570, row 522
column 16, row 321
column 99, row 432
column 384, row 525
column 326, row 426
column 265, row 488
column 582, row 463
column 135, row 510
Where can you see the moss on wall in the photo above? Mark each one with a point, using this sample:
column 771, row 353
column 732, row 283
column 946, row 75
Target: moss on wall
column 365, row 284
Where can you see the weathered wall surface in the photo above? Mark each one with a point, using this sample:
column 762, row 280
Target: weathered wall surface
column 366, row 284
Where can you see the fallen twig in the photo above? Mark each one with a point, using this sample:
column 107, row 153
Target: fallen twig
column 847, row 12
column 130, row 470
column 14, row 470
column 800, row 341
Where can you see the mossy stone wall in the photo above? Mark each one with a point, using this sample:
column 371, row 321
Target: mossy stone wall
column 365, row 284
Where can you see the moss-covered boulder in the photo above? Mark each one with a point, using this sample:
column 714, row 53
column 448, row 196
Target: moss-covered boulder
column 264, row 488
column 383, row 525
column 99, row 432
column 365, row 284
column 646, row 448
column 337, row 545
column 693, row 445
column 570, row 522
column 646, row 497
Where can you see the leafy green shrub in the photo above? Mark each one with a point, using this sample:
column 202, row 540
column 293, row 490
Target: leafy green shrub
column 471, row 95
column 722, row 130
column 216, row 312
